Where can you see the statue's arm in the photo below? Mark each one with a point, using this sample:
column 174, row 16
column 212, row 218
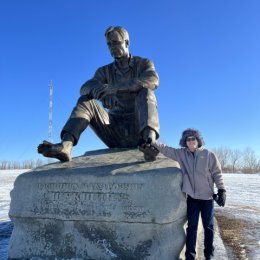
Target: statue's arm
column 95, row 86
column 147, row 78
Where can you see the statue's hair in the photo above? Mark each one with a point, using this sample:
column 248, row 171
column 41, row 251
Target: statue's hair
column 122, row 31
column 191, row 132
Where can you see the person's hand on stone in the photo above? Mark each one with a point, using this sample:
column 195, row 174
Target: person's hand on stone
column 150, row 151
column 145, row 146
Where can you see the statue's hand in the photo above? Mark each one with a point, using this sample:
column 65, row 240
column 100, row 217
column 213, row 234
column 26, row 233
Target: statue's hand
column 148, row 135
column 110, row 101
column 109, row 90
column 135, row 86
column 98, row 91
column 131, row 86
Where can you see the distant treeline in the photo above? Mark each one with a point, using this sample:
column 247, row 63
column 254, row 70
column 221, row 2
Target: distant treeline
column 231, row 160
column 15, row 165
column 234, row 160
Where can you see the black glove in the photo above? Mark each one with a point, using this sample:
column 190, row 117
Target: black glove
column 150, row 152
column 220, row 198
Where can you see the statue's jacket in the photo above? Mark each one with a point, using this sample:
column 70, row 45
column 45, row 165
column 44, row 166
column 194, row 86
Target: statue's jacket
column 142, row 76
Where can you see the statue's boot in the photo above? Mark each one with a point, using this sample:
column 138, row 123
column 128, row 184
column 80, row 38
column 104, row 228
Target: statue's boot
column 61, row 151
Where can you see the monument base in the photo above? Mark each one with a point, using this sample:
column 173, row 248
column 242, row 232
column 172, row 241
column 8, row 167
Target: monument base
column 108, row 204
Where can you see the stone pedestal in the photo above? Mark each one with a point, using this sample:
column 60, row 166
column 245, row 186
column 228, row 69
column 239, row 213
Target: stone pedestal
column 108, row 204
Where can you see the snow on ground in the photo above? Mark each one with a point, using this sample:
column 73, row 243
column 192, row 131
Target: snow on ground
column 243, row 203
column 7, row 178
column 243, row 195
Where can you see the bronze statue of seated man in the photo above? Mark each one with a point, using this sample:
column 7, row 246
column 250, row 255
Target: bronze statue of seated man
column 128, row 118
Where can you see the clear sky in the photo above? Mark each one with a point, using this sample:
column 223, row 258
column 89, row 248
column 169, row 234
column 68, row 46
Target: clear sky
column 206, row 52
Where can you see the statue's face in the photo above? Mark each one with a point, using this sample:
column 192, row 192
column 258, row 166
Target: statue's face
column 118, row 47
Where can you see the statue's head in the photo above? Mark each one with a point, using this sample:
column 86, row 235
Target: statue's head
column 118, row 41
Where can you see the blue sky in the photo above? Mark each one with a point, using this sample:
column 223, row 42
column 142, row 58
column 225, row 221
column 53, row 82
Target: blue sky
column 206, row 52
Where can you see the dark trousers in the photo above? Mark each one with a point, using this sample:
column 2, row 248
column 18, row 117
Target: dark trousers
column 206, row 209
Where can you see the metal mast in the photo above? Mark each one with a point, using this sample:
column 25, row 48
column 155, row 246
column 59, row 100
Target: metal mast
column 50, row 113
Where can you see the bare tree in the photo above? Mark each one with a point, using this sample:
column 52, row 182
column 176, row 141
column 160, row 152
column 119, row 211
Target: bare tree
column 27, row 164
column 3, row 164
column 15, row 165
column 223, row 154
column 235, row 156
column 251, row 163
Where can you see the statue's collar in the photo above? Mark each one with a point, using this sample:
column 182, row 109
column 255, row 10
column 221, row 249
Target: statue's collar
column 130, row 63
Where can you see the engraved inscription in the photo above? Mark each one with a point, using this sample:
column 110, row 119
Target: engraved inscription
column 93, row 200
column 87, row 196
column 91, row 186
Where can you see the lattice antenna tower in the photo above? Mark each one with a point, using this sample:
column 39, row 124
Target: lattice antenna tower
column 50, row 113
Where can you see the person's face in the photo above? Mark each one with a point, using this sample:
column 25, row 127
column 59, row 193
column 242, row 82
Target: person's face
column 192, row 143
column 118, row 47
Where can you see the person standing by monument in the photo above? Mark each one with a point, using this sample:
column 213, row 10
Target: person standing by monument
column 201, row 170
column 125, row 88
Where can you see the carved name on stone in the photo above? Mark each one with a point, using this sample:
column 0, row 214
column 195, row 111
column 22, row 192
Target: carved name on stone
column 91, row 200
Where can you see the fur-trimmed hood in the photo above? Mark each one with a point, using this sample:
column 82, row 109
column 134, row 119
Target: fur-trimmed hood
column 191, row 132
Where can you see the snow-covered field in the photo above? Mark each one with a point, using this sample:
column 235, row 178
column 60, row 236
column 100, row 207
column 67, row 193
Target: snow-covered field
column 242, row 202
column 7, row 178
column 243, row 196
